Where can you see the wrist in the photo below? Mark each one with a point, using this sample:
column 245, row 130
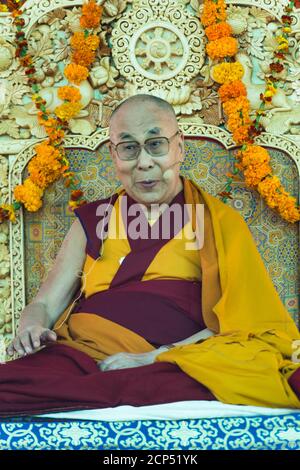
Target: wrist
column 165, row 347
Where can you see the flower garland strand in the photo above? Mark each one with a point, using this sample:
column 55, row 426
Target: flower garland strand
column 253, row 159
column 50, row 161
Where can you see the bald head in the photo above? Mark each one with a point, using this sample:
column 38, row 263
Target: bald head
column 143, row 101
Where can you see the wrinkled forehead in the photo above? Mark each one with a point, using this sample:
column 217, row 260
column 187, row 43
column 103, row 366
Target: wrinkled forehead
column 136, row 122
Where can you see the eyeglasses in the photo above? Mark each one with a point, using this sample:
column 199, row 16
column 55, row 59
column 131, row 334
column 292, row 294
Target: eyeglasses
column 156, row 147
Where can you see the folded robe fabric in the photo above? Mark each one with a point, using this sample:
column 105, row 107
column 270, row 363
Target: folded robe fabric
column 249, row 360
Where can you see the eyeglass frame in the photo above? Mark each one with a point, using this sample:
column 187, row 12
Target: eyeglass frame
column 143, row 145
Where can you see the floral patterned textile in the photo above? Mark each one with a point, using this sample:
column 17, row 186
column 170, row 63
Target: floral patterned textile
column 281, row 432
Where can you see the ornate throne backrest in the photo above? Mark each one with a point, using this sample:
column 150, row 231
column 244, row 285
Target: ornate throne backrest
column 36, row 237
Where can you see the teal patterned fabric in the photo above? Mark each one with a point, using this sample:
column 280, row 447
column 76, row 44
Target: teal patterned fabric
column 206, row 162
column 230, row 433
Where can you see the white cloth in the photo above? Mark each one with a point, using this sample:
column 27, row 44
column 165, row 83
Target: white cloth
column 192, row 409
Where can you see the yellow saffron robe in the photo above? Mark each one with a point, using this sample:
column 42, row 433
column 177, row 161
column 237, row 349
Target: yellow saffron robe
column 98, row 336
column 249, row 360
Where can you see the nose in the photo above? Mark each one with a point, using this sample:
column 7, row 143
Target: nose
column 144, row 160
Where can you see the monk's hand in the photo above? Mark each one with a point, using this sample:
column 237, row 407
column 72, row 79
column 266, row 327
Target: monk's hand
column 30, row 339
column 126, row 360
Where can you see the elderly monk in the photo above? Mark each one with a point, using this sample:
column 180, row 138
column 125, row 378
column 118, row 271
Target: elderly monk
column 154, row 318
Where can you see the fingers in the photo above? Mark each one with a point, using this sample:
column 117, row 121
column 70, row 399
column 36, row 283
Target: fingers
column 29, row 341
column 15, row 346
column 48, row 336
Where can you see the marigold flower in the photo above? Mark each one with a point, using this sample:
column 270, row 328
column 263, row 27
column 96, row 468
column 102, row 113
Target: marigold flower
column 232, row 90
column 217, row 31
column 92, row 41
column 83, row 57
column 241, row 134
column 76, row 73
column 213, row 12
column 7, row 212
column 91, row 15
column 29, row 194
column 239, row 104
column 227, row 72
column 68, row 110
column 223, row 47
column 77, row 40
column 69, row 93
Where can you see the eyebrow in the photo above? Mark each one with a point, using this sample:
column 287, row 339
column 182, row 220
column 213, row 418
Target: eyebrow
column 125, row 135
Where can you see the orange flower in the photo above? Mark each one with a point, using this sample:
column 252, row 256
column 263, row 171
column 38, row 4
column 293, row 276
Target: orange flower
column 232, row 90
column 287, row 208
column 83, row 57
column 76, row 73
column 78, row 40
column 46, row 166
column 223, row 47
column 55, row 135
column 91, row 15
column 254, row 154
column 241, row 134
column 92, row 41
column 217, row 31
column 29, row 194
column 240, row 104
column 69, row 93
column 213, row 12
column 255, row 173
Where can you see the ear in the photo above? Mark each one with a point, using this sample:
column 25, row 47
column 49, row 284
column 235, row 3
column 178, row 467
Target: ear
column 111, row 151
column 181, row 145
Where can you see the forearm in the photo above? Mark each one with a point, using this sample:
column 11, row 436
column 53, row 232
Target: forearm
column 35, row 314
column 203, row 334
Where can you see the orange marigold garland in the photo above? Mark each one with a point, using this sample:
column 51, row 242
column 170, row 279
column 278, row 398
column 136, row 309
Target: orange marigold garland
column 50, row 162
column 253, row 160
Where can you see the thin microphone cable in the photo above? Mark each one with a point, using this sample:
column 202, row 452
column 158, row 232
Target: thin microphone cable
column 84, row 275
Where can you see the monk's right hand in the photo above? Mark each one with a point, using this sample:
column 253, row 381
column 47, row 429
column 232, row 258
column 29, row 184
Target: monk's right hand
column 30, row 339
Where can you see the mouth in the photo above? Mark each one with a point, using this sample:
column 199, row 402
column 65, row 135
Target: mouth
column 147, row 183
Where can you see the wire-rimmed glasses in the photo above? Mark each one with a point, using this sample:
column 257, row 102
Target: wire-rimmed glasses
column 155, row 146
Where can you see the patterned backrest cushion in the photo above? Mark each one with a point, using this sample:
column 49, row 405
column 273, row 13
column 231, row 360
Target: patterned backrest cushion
column 206, row 162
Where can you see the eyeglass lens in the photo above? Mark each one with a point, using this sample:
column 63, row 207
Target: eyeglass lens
column 156, row 147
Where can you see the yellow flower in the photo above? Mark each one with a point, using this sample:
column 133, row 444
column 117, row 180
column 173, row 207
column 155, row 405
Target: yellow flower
column 11, row 212
column 29, row 194
column 283, row 46
column 67, row 111
column 227, row 72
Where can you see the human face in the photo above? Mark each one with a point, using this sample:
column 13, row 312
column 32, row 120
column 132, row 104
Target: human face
column 139, row 123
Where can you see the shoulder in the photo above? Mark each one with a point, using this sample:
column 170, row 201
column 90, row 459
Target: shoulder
column 221, row 211
column 90, row 208
column 90, row 215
